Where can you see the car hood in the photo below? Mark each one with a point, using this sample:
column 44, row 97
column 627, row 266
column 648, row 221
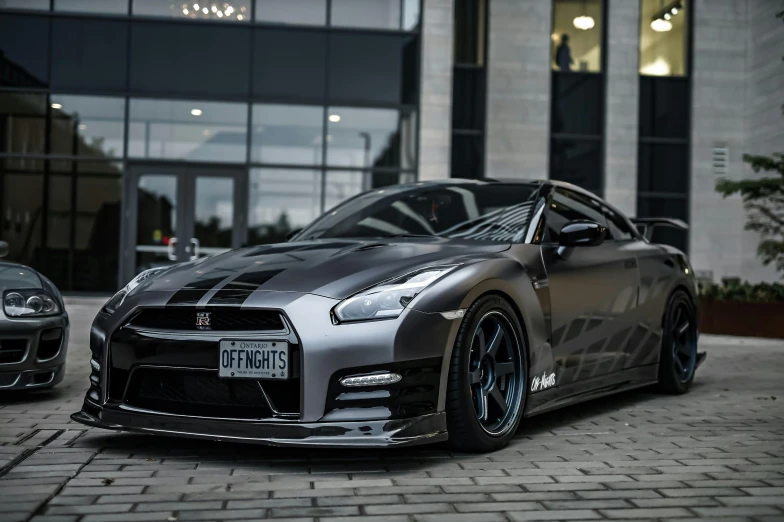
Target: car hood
column 14, row 276
column 330, row 268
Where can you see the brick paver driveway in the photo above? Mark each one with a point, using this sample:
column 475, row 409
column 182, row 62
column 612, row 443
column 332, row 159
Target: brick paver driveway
column 716, row 452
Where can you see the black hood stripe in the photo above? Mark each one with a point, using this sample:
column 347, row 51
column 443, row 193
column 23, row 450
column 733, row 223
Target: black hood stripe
column 237, row 291
column 192, row 292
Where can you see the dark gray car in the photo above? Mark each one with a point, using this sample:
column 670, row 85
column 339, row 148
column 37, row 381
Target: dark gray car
column 407, row 314
column 33, row 328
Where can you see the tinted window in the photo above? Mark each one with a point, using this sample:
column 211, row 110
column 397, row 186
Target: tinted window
column 88, row 126
column 618, row 228
column 89, row 54
column 468, row 94
column 363, row 138
column 365, row 67
column 577, row 161
column 288, row 134
column 24, row 50
column 22, row 123
column 666, row 207
column 567, row 206
column 379, row 14
column 663, row 168
column 92, row 6
column 664, row 107
column 22, row 196
column 25, row 4
column 576, row 106
column 469, row 26
column 289, row 64
column 480, row 212
column 302, row 12
column 467, row 156
column 195, row 59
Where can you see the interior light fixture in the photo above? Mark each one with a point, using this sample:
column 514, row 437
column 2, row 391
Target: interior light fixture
column 195, row 7
column 220, row 14
column 214, row 9
column 239, row 17
column 660, row 25
column 57, row 106
column 584, row 22
column 205, row 10
column 82, row 126
column 667, row 16
column 185, row 11
column 674, row 10
column 334, row 118
column 196, row 112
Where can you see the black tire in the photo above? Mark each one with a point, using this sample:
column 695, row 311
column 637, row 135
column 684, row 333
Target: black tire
column 471, row 362
column 678, row 359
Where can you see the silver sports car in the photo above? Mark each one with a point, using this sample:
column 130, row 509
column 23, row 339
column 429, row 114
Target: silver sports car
column 33, row 328
column 408, row 314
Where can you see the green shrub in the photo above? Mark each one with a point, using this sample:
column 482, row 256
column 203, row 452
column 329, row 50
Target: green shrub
column 745, row 291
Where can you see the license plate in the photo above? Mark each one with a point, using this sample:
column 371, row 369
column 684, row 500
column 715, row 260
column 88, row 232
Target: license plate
column 254, row 359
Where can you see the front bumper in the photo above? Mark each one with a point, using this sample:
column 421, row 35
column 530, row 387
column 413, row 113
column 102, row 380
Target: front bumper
column 380, row 433
column 32, row 352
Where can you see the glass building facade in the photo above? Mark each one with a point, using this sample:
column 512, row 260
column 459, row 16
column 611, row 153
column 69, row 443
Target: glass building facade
column 145, row 132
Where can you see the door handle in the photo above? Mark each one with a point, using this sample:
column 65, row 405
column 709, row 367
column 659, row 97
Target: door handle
column 195, row 252
column 171, row 250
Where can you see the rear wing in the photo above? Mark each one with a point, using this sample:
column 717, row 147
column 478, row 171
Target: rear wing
column 649, row 224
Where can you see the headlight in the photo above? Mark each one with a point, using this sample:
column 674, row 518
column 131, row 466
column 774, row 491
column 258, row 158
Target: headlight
column 388, row 299
column 29, row 303
column 117, row 299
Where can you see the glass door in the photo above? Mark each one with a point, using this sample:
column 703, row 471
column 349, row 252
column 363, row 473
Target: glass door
column 181, row 213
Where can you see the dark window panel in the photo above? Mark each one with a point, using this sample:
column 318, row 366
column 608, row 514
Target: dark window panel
column 92, row 6
column 289, row 64
column 22, row 219
column 22, row 123
column 663, row 168
column 234, row 11
column 88, row 126
column 567, row 206
column 364, row 138
column 366, row 67
column 577, row 102
column 467, row 156
column 618, row 227
column 469, row 41
column 299, row 12
column 578, row 162
column 58, row 231
column 468, row 99
column 410, row 71
column 287, row 134
column 664, row 107
column 577, row 50
column 89, row 54
column 24, row 51
column 42, row 5
column 376, row 14
column 189, row 59
column 666, row 207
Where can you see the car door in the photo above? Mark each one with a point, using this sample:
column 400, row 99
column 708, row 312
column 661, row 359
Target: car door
column 592, row 288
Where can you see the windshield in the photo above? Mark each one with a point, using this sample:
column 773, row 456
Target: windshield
column 491, row 212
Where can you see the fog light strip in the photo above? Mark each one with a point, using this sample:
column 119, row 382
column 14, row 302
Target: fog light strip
column 453, row 314
column 373, row 379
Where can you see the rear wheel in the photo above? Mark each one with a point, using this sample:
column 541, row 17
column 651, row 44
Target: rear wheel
column 679, row 345
column 486, row 390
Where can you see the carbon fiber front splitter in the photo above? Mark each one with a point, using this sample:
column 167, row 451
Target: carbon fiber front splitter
column 372, row 433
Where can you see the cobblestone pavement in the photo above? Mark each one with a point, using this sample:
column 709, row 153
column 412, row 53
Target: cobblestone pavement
column 715, row 453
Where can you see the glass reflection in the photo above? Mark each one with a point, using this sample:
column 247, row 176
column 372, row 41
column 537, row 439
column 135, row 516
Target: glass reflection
column 88, row 126
column 187, row 130
column 377, row 14
column 227, row 11
column 280, row 201
column 213, row 215
column 663, row 38
column 362, row 137
column 287, row 134
column 96, row 244
column 301, row 12
column 22, row 216
column 341, row 185
column 156, row 221
column 25, row 4
column 577, row 36
column 23, row 128
column 24, row 51
column 410, row 14
column 92, row 6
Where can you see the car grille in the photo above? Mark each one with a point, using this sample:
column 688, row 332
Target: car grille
column 221, row 319
column 196, row 392
column 12, row 350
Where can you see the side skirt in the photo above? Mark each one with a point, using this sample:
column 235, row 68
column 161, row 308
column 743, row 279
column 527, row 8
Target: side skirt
column 588, row 389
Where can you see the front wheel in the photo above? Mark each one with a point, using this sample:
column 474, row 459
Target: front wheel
column 678, row 359
column 487, row 377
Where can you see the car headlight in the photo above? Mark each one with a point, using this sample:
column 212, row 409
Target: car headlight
column 388, row 299
column 117, row 299
column 29, row 303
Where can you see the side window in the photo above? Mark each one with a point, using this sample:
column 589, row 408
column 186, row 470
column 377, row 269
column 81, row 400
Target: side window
column 566, row 206
column 618, row 228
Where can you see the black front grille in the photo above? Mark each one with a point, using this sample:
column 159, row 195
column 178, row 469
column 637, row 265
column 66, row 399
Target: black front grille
column 220, row 319
column 196, row 392
column 12, row 350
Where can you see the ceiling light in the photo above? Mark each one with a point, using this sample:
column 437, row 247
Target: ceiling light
column 667, row 16
column 196, row 112
column 195, row 7
column 584, row 22
column 239, row 17
column 206, row 132
column 185, row 11
column 220, row 14
column 205, row 10
column 214, row 9
column 334, row 118
column 661, row 26
column 57, row 106
column 82, row 126
column 674, row 10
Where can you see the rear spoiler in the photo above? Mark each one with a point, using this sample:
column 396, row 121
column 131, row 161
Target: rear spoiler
column 649, row 224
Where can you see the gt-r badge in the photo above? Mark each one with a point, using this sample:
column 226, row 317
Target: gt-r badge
column 543, row 382
column 203, row 320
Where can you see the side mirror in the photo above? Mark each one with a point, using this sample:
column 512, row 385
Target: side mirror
column 293, row 233
column 3, row 249
column 582, row 233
